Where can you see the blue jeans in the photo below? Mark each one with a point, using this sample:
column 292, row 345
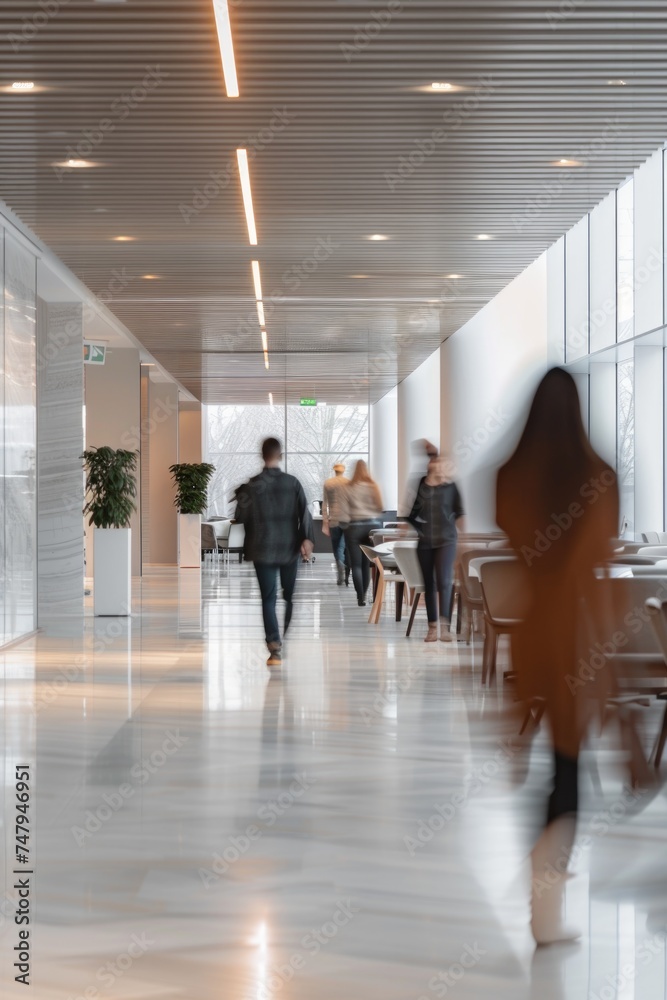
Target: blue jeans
column 438, row 572
column 267, row 577
column 337, row 536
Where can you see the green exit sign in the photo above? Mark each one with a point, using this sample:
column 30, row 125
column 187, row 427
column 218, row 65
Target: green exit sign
column 309, row 402
column 94, row 354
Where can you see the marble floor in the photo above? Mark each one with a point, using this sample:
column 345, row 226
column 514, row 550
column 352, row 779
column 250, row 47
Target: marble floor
column 355, row 827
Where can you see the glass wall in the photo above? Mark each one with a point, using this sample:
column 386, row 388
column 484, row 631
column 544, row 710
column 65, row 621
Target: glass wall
column 606, row 315
column 313, row 438
column 18, row 431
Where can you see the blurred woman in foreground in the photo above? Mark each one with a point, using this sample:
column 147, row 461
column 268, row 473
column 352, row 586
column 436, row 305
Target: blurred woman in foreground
column 557, row 501
column 360, row 513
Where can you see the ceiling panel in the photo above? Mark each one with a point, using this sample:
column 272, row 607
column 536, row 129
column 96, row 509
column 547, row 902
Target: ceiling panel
column 348, row 139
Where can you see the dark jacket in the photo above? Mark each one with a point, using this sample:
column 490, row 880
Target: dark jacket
column 435, row 512
column 274, row 511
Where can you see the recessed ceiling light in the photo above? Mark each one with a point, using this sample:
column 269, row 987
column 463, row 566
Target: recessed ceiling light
column 565, row 162
column 99, row 210
column 257, row 280
column 377, row 237
column 124, row 239
column 442, row 86
column 242, row 158
column 617, row 83
column 484, row 236
column 223, row 24
column 453, row 276
column 151, row 277
column 360, row 275
column 74, row 164
column 23, row 85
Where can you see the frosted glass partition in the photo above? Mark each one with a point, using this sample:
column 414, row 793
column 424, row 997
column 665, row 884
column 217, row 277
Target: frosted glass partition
column 625, row 263
column 20, row 425
column 556, row 302
column 625, row 441
column 648, row 251
column 576, row 285
column 603, row 274
column 649, row 445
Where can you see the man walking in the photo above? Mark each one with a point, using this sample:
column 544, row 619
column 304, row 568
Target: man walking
column 331, row 518
column 278, row 528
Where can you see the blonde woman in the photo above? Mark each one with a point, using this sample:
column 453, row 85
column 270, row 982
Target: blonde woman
column 360, row 511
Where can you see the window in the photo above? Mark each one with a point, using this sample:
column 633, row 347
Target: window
column 625, row 409
column 626, row 261
column 313, row 437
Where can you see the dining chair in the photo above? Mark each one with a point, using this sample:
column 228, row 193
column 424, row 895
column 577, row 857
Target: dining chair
column 233, row 543
column 407, row 561
column 504, row 597
column 658, row 611
column 209, row 541
column 658, row 551
column 383, row 577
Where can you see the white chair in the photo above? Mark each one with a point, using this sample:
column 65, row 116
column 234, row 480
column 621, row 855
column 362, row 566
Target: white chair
column 384, row 576
column 234, row 542
column 209, row 542
column 407, row 561
column 655, row 537
column 657, row 551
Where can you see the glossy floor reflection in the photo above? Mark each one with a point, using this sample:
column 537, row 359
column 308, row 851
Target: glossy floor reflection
column 356, row 827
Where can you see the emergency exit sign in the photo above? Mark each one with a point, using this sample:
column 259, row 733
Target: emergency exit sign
column 94, row 354
column 309, row 402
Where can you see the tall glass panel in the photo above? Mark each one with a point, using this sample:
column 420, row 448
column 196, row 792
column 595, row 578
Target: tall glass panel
column 625, row 415
column 625, row 251
column 20, row 525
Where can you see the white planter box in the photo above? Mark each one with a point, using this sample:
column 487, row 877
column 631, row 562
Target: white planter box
column 189, row 541
column 112, row 571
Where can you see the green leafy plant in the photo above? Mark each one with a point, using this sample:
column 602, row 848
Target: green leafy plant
column 111, row 486
column 191, row 481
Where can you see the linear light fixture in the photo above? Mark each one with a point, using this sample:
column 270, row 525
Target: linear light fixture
column 266, row 360
column 256, row 277
column 244, row 172
column 265, row 342
column 224, row 26
column 260, row 314
column 270, row 399
column 23, row 85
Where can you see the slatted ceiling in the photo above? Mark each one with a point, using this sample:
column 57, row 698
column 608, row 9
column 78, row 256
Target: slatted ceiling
column 324, row 175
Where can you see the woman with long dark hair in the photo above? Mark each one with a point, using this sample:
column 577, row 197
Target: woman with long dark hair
column 557, row 501
column 361, row 510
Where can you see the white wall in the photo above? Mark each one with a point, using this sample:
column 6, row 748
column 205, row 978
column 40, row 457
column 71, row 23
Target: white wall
column 418, row 417
column 490, row 368
column 384, row 454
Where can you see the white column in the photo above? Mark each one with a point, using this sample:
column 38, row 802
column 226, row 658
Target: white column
column 649, row 238
column 384, row 447
column 418, row 418
column 162, row 432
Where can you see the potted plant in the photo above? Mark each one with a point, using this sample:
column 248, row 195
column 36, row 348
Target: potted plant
column 111, row 489
column 191, row 479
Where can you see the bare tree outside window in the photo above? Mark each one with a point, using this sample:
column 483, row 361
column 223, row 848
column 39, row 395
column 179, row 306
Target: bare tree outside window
column 626, row 440
column 314, row 438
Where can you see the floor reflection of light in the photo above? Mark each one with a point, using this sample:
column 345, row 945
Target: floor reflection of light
column 261, row 942
column 627, row 953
